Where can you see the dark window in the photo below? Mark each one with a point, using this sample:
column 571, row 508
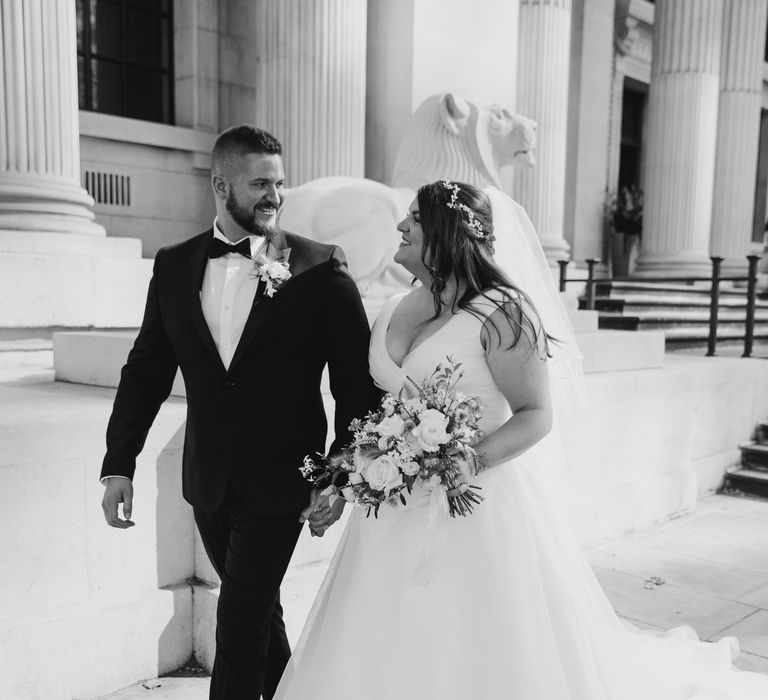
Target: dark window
column 631, row 138
column 125, row 58
column 766, row 43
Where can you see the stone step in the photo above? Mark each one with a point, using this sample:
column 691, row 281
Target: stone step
column 754, row 456
column 633, row 302
column 698, row 289
column 96, row 358
column 747, row 481
column 26, row 352
column 658, row 315
column 69, row 245
column 681, row 330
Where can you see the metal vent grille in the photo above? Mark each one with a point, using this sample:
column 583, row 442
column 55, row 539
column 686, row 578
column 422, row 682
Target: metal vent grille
column 108, row 188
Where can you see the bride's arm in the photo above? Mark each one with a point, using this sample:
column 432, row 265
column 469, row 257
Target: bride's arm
column 517, row 360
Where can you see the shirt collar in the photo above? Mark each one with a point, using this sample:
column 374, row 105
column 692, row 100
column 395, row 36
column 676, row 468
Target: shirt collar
column 256, row 241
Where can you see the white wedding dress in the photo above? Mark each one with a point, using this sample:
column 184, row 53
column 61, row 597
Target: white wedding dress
column 505, row 606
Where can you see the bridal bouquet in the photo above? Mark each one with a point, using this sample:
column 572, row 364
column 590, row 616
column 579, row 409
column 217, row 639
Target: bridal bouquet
column 426, row 433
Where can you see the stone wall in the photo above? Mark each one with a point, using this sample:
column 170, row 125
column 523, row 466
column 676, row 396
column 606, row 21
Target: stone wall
column 150, row 181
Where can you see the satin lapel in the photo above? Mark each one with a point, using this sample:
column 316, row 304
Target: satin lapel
column 197, row 265
column 261, row 303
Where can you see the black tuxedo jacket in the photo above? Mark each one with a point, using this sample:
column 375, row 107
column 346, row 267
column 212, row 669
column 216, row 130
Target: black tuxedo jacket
column 252, row 424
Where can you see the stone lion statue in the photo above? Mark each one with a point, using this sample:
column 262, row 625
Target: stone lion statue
column 452, row 138
column 448, row 137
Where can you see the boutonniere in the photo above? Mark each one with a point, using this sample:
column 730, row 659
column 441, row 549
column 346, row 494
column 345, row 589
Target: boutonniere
column 274, row 273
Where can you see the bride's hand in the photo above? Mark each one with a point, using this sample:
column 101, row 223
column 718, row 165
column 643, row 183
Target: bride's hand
column 465, row 465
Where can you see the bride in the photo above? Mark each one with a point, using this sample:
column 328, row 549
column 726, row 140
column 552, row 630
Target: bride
column 500, row 604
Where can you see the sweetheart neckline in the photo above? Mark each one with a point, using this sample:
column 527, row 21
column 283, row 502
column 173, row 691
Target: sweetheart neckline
column 414, row 348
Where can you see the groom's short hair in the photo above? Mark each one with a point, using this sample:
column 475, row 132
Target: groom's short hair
column 241, row 140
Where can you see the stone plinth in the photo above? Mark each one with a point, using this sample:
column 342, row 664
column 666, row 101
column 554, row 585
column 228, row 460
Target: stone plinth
column 43, row 290
column 88, row 609
column 96, row 357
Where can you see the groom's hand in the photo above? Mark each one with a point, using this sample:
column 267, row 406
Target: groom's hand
column 117, row 491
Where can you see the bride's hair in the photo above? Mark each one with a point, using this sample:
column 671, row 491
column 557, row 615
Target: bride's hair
column 449, row 213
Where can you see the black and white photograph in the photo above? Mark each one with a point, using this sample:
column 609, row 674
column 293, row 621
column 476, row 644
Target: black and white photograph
column 383, row 350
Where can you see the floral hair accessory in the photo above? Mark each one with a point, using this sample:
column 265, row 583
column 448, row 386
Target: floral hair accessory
column 472, row 221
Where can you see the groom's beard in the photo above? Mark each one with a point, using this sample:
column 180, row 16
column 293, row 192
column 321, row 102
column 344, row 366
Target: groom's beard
column 244, row 217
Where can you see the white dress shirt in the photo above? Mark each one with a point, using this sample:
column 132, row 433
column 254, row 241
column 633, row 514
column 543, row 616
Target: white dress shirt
column 226, row 296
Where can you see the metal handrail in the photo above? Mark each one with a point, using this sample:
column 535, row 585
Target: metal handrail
column 714, row 293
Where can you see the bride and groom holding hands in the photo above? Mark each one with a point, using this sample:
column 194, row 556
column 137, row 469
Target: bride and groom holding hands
column 252, row 315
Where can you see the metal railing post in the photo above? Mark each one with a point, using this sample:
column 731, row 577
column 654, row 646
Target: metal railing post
column 714, row 303
column 563, row 265
column 591, row 262
column 749, row 323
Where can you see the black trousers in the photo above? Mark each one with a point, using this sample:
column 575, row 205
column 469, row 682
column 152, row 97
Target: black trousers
column 250, row 553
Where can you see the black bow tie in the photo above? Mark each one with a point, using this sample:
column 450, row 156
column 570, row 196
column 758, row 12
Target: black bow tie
column 217, row 248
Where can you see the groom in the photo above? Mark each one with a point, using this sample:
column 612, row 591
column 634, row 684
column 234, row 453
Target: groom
column 251, row 314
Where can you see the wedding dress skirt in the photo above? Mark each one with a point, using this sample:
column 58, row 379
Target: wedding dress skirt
column 504, row 606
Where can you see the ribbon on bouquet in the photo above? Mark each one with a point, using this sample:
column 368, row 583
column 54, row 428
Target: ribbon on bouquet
column 438, row 516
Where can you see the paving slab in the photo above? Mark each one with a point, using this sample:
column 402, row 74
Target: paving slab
column 665, row 606
column 164, row 689
column 752, row 633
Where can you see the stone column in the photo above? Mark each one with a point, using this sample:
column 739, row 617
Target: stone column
column 682, row 109
column 542, row 94
column 589, row 125
column 39, row 141
column 310, row 84
column 738, row 131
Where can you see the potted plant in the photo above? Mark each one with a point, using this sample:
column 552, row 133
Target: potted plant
column 624, row 223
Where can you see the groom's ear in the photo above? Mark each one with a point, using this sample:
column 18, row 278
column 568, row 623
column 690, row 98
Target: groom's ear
column 454, row 113
column 220, row 186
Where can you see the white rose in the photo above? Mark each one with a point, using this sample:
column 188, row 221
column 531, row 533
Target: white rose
column 430, row 432
column 382, row 474
column 410, row 468
column 392, row 425
column 276, row 270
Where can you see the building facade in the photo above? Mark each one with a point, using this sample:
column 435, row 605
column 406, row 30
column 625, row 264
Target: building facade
column 110, row 109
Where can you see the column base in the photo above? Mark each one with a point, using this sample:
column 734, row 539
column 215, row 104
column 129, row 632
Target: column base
column 735, row 266
column 45, row 204
column 555, row 248
column 673, row 265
